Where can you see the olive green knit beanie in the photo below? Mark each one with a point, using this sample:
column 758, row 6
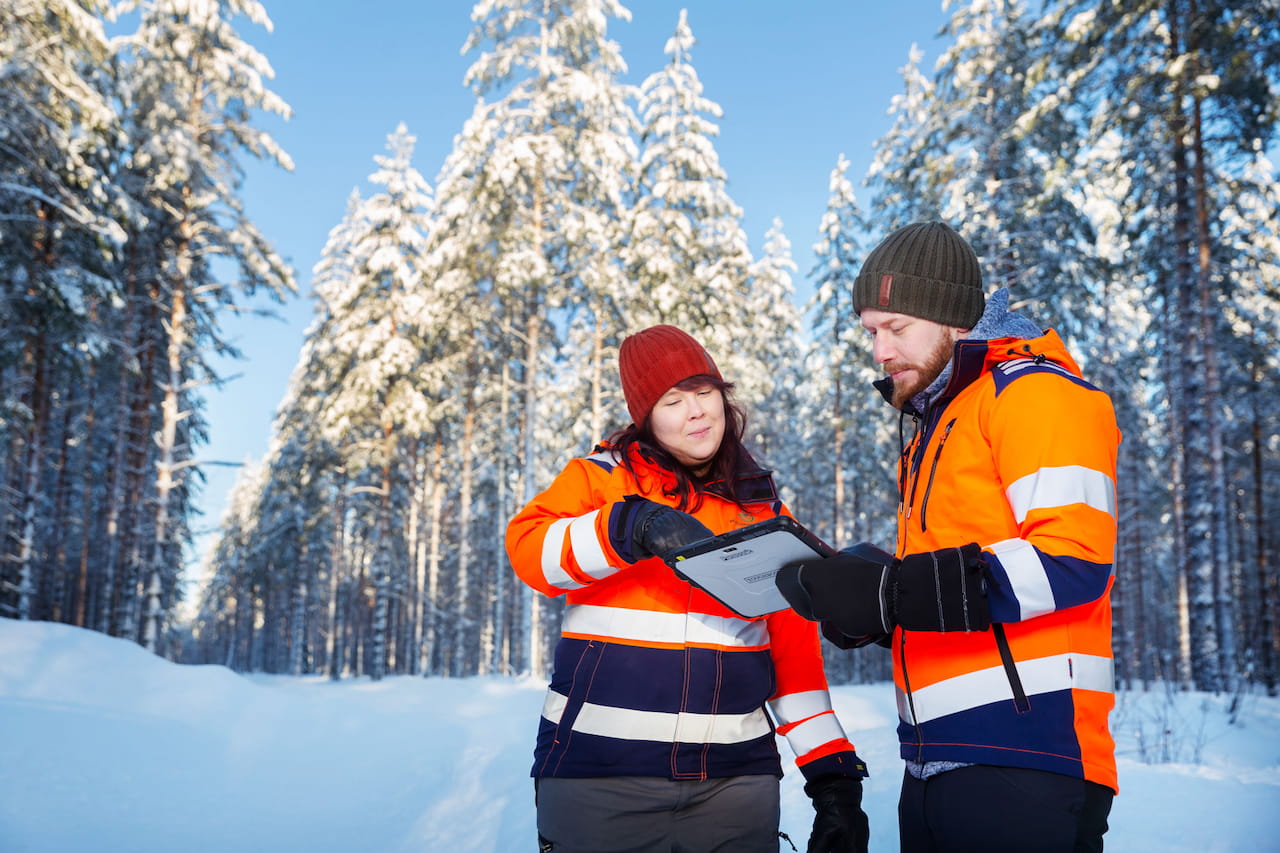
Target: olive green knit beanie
column 926, row 270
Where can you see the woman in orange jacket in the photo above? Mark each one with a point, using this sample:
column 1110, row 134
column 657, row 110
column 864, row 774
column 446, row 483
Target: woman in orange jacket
column 996, row 602
column 654, row 735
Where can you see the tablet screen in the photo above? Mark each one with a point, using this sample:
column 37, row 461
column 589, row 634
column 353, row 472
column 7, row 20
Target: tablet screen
column 737, row 568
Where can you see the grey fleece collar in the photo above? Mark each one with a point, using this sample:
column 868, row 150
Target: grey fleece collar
column 997, row 321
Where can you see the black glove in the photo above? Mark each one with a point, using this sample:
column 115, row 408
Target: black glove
column 944, row 590
column 839, row 825
column 844, row 592
column 841, row 640
column 640, row 528
column 861, row 595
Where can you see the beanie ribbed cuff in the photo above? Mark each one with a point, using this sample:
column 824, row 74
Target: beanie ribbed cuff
column 945, row 302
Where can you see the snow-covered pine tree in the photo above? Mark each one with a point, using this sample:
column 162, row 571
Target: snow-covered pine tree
column 375, row 407
column 987, row 167
column 191, row 87
column 223, row 628
column 1189, row 89
column 301, row 413
column 548, row 144
column 989, row 133
column 1112, row 326
column 902, row 190
column 687, row 252
column 1251, row 240
column 850, row 482
column 838, row 361
column 773, row 398
column 56, row 201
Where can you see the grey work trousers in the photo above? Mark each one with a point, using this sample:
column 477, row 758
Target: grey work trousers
column 637, row 814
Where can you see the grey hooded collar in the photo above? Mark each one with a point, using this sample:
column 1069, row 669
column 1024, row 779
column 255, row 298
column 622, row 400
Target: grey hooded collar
column 997, row 321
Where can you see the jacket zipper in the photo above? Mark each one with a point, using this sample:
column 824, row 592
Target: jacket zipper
column 1021, row 703
column 906, row 688
column 902, row 642
column 933, row 469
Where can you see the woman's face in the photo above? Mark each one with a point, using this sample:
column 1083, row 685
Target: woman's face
column 689, row 425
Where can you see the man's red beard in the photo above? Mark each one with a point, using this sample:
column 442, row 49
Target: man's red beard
column 925, row 372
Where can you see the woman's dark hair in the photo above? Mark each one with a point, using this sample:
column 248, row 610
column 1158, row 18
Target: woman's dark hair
column 730, row 462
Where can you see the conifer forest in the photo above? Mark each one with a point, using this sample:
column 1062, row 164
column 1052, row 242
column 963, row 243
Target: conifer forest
column 1112, row 163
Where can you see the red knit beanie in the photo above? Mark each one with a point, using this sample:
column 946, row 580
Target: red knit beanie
column 652, row 361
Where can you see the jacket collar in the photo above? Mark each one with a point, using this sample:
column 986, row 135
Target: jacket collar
column 975, row 357
column 996, row 323
column 755, row 484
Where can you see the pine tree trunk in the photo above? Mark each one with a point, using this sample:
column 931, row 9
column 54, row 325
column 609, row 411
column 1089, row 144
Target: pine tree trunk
column 337, row 577
column 433, row 629
column 596, row 373
column 34, row 357
column 133, row 528
column 1200, row 643
column 1267, row 595
column 381, row 569
column 1211, row 403
column 532, row 602
column 838, row 527
column 81, row 613
column 298, row 622
column 503, row 618
column 60, row 590
column 166, row 464
column 469, row 597
column 109, row 593
column 414, row 549
column 11, row 493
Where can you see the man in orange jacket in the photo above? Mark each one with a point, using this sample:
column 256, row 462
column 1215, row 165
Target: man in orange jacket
column 996, row 603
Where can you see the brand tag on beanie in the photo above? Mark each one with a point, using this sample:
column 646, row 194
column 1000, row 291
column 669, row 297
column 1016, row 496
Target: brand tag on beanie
column 886, row 285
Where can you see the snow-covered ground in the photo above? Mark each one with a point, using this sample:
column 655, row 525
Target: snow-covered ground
column 104, row 747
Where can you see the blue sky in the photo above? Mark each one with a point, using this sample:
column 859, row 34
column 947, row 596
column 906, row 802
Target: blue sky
column 800, row 83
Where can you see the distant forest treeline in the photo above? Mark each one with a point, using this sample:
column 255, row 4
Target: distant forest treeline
column 1108, row 161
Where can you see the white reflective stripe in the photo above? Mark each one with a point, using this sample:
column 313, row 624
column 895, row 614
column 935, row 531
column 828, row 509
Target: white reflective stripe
column 1040, row 675
column 1052, row 487
column 586, row 546
column 646, row 626
column 553, row 705
column 661, row 726
column 1027, row 576
column 1018, row 364
column 609, row 457
column 798, row 706
column 813, row 733
column 552, row 546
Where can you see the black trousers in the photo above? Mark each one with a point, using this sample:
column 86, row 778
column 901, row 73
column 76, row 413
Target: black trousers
column 994, row 809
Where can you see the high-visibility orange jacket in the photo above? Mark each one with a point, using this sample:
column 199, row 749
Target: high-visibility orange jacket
column 652, row 676
column 1018, row 454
